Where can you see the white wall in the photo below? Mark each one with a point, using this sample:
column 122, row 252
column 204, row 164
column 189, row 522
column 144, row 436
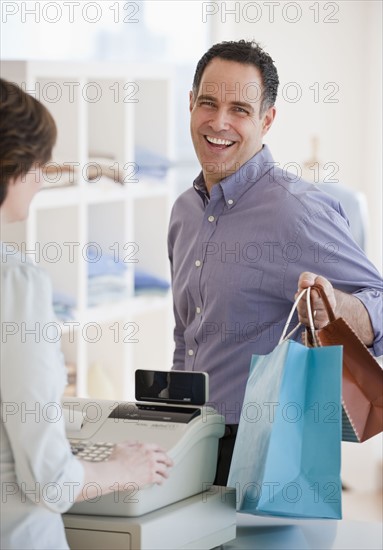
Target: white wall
column 344, row 57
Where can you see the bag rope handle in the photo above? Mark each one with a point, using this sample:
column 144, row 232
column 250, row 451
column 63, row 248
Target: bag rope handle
column 310, row 316
column 321, row 291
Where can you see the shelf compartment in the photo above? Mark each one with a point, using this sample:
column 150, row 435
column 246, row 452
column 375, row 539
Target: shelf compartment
column 59, row 250
column 110, row 124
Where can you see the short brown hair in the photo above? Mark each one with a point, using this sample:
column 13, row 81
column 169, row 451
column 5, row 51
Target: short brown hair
column 247, row 53
column 28, row 134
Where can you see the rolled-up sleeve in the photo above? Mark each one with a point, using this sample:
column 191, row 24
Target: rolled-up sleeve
column 327, row 248
column 32, row 381
column 373, row 302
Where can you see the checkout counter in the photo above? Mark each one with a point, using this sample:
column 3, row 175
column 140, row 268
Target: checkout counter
column 186, row 512
column 270, row 533
column 183, row 512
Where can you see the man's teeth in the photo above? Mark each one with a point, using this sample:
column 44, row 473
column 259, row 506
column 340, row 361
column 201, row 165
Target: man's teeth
column 217, row 141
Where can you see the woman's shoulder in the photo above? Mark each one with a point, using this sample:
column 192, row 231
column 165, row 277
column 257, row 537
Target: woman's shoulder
column 18, row 270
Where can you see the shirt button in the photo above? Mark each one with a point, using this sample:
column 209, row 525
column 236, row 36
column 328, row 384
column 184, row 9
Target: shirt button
column 197, row 263
column 198, row 309
column 230, row 201
column 190, row 352
column 211, row 218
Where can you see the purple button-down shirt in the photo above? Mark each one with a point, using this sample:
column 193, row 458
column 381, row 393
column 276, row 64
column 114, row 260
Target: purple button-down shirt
column 236, row 257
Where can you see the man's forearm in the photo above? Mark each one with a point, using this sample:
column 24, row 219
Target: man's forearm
column 344, row 305
column 354, row 312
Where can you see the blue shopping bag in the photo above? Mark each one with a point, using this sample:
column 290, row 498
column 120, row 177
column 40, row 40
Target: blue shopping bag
column 287, row 455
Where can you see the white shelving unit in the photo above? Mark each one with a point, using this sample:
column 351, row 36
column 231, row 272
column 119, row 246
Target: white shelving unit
column 104, row 111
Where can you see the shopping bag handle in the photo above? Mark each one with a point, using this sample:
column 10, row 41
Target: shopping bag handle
column 310, row 316
column 310, row 341
column 322, row 293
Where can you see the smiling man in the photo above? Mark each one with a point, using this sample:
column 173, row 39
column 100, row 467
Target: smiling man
column 247, row 235
column 228, row 117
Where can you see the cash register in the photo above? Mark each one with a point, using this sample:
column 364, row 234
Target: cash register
column 186, row 511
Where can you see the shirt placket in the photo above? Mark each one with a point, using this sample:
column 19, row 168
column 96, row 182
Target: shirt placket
column 213, row 211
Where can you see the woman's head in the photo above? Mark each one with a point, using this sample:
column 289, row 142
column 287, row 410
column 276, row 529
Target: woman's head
column 28, row 134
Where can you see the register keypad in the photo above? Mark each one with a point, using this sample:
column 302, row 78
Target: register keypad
column 93, row 452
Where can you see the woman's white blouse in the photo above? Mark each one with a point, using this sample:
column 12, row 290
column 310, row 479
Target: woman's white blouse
column 40, row 478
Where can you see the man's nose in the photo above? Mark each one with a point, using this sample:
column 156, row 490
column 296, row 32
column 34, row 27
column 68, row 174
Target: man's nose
column 219, row 120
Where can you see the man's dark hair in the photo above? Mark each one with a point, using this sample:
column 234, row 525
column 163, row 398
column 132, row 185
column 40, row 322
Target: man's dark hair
column 248, row 53
column 28, row 134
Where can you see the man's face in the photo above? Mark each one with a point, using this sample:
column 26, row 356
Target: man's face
column 226, row 126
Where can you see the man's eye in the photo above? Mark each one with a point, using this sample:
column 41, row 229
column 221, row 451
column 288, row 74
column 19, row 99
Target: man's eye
column 241, row 110
column 207, row 103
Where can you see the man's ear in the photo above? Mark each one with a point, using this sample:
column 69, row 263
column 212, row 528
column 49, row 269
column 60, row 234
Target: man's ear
column 191, row 101
column 268, row 119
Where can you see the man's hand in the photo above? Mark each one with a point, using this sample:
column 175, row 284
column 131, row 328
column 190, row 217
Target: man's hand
column 321, row 319
column 344, row 305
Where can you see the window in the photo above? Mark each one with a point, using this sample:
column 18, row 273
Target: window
column 164, row 31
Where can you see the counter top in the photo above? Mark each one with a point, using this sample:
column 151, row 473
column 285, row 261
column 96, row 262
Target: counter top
column 265, row 533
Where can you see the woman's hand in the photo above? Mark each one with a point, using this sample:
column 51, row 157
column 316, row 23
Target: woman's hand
column 141, row 463
column 130, row 464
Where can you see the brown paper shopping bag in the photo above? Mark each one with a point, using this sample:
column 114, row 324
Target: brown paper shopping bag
column 362, row 377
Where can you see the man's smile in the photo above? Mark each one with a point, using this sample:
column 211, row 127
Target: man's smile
column 222, row 143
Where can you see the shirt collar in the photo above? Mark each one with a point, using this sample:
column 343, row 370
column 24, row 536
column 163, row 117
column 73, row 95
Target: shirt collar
column 234, row 186
column 200, row 186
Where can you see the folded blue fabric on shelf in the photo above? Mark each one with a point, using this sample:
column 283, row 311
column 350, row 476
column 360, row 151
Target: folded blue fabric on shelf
column 63, row 305
column 106, row 281
column 151, row 163
column 103, row 264
column 146, row 281
column 106, row 288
